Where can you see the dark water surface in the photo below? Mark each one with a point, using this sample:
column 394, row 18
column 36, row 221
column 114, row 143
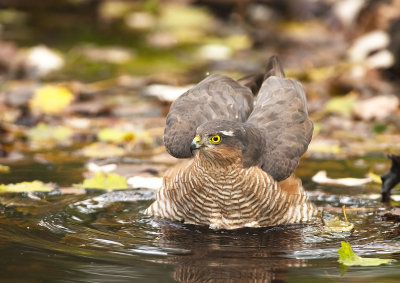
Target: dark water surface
column 104, row 237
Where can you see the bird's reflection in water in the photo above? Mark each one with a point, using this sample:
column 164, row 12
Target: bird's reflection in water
column 245, row 255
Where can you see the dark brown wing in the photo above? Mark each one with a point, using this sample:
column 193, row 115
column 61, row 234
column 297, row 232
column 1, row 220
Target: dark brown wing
column 281, row 115
column 216, row 97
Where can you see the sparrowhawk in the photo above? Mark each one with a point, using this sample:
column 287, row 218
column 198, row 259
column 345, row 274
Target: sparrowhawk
column 243, row 150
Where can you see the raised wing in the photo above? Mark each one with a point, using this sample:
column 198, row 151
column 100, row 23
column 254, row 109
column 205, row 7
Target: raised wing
column 216, row 97
column 280, row 113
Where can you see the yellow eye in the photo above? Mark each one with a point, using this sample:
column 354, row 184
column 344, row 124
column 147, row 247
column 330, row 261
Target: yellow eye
column 215, row 139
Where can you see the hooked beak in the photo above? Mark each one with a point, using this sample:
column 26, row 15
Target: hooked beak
column 196, row 143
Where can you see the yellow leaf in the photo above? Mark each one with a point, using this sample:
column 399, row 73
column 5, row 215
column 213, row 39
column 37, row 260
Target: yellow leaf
column 374, row 177
column 341, row 105
column 102, row 150
column 105, row 181
column 114, row 135
column 35, row 186
column 51, row 99
column 4, row 169
column 324, row 147
column 238, row 42
column 43, row 133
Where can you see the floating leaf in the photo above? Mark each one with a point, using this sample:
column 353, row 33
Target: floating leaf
column 349, row 258
column 335, row 225
column 4, row 169
column 51, row 99
column 114, row 135
column 35, row 186
column 105, row 181
column 102, row 150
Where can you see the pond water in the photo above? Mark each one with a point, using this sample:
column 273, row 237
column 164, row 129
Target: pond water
column 104, row 237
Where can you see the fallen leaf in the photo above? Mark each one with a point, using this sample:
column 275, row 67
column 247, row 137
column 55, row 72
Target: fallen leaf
column 102, row 150
column 341, row 105
column 322, row 178
column 335, row 225
column 105, row 181
column 4, row 169
column 319, row 146
column 35, row 186
column 349, row 258
column 114, row 135
column 51, row 99
column 374, row 177
column 44, row 133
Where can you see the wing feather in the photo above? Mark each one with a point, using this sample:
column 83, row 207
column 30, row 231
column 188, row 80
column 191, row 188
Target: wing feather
column 280, row 113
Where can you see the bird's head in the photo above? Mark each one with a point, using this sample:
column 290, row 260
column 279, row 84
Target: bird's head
column 223, row 140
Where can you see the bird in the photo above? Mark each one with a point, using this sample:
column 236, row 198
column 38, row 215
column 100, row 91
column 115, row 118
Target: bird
column 391, row 178
column 241, row 149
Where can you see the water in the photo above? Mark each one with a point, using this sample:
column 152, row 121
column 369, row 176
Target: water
column 104, row 237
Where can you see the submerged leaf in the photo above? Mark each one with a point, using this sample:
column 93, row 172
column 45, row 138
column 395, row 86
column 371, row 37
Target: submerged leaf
column 105, row 181
column 35, row 186
column 51, row 99
column 349, row 258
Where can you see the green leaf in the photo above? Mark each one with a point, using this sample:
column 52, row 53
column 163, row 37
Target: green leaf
column 349, row 258
column 379, row 128
column 105, row 181
column 35, row 186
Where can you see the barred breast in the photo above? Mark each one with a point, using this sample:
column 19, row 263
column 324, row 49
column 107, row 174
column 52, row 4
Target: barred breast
column 229, row 197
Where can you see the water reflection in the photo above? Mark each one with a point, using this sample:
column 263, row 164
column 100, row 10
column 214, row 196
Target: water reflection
column 231, row 256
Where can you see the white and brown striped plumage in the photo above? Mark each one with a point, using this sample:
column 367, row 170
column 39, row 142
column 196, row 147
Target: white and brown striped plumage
column 244, row 156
